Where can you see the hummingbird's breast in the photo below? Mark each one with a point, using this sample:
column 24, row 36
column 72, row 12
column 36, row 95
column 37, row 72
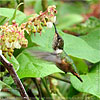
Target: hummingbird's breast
column 64, row 66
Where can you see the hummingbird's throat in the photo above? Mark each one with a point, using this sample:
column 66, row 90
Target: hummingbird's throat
column 58, row 51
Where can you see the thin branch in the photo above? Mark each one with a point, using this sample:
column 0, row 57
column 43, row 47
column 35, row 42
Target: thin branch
column 38, row 87
column 22, row 6
column 44, row 4
column 15, row 77
column 60, row 79
column 46, row 87
column 17, row 1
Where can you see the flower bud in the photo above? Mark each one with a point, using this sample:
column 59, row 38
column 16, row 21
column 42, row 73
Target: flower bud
column 9, row 45
column 49, row 24
column 11, row 50
column 17, row 45
column 40, row 27
column 14, row 21
column 24, row 43
column 45, row 24
column 10, row 54
column 34, row 30
column 38, row 30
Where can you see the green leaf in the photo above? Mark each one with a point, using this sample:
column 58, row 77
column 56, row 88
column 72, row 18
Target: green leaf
column 90, row 82
column 26, row 19
column 8, row 80
column 93, row 38
column 32, row 67
column 81, row 65
column 13, row 61
column 70, row 8
column 2, row 85
column 45, row 39
column 2, row 20
column 69, row 20
column 74, row 46
column 89, row 25
column 5, row 94
column 38, row 5
column 79, row 48
column 8, row 12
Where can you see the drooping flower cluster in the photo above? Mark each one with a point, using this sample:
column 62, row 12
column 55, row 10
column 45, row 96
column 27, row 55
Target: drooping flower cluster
column 12, row 36
column 36, row 22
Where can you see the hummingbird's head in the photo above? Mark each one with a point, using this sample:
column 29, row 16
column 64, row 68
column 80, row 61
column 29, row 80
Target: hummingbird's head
column 58, row 42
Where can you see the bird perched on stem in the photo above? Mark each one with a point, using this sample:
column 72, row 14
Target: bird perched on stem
column 59, row 56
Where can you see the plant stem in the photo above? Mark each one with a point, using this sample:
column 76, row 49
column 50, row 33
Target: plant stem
column 44, row 4
column 22, row 6
column 38, row 88
column 17, row 2
column 60, row 79
column 46, row 87
column 15, row 77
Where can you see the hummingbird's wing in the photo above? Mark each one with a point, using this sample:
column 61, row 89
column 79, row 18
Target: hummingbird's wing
column 52, row 57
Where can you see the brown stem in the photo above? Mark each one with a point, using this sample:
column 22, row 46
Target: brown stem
column 44, row 4
column 15, row 77
column 40, row 15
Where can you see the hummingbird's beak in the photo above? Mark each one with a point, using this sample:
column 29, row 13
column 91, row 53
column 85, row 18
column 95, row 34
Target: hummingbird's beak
column 55, row 28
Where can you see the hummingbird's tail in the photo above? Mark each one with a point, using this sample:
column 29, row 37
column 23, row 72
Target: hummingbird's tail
column 74, row 73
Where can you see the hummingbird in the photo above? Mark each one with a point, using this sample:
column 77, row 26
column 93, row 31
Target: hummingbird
column 59, row 57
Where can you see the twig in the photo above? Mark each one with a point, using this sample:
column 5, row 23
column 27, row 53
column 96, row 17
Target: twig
column 44, row 4
column 22, row 6
column 46, row 87
column 17, row 2
column 38, row 88
column 15, row 77
column 60, row 79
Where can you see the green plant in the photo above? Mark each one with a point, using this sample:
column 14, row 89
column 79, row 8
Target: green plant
column 35, row 73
